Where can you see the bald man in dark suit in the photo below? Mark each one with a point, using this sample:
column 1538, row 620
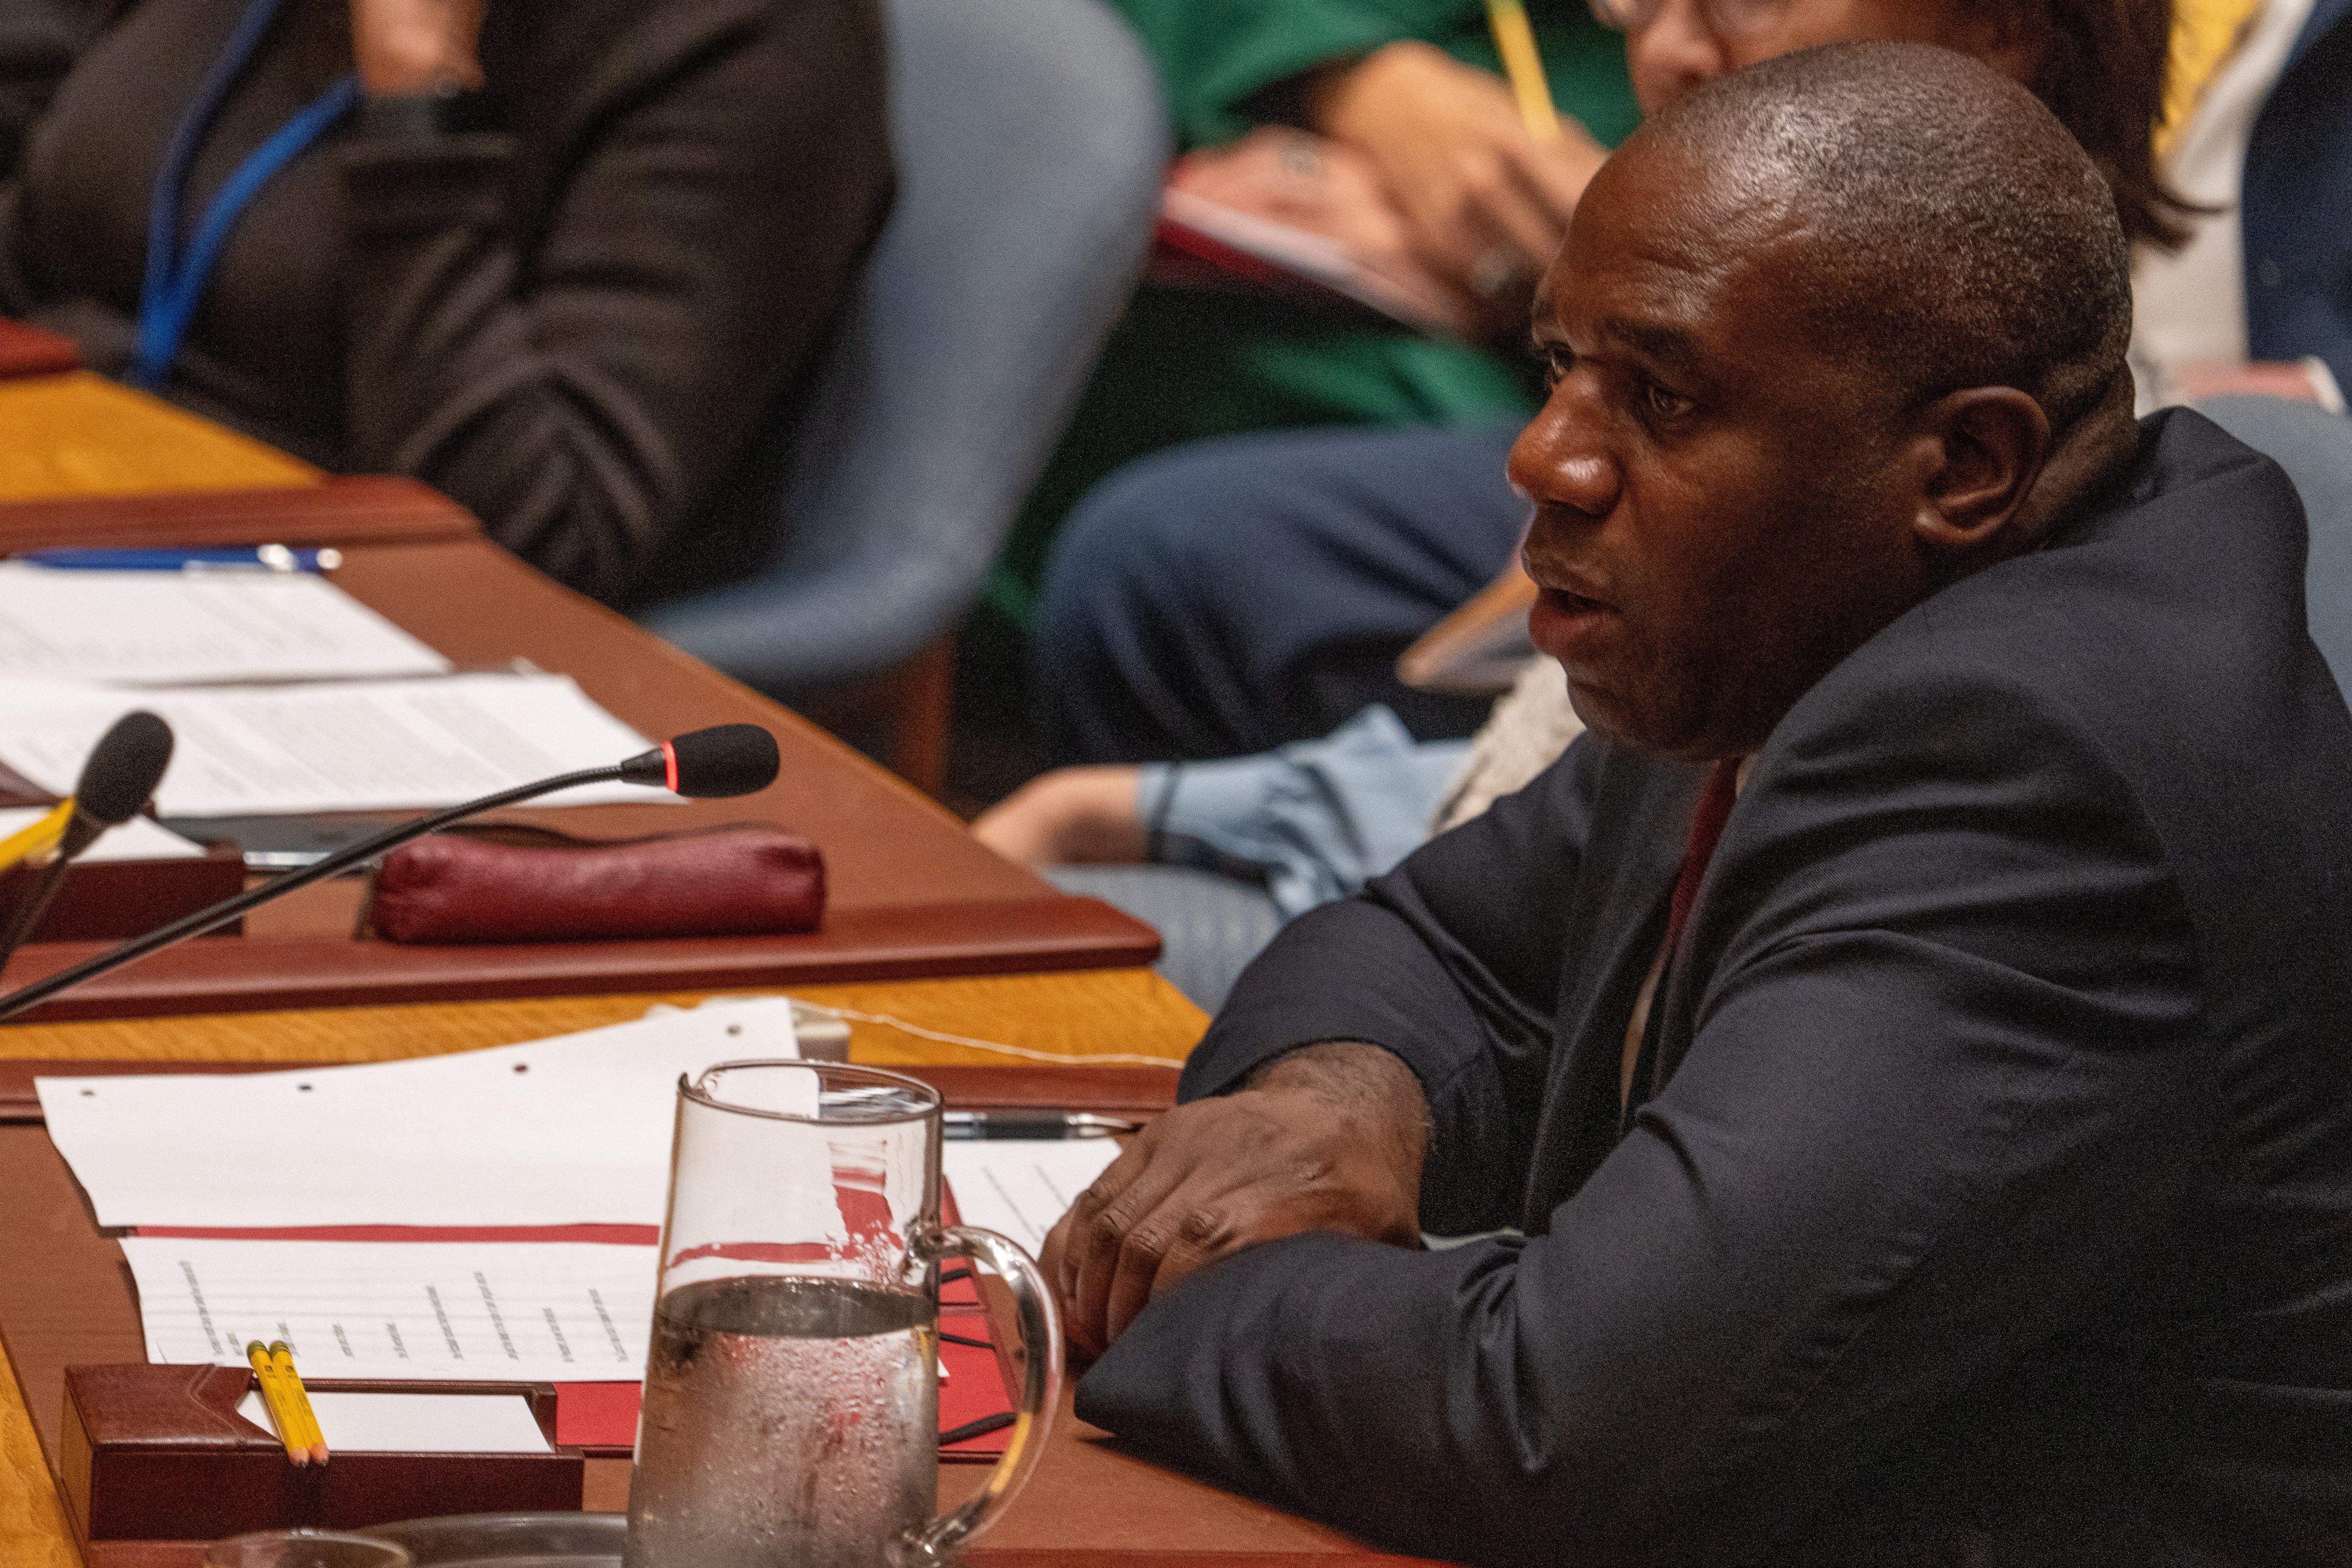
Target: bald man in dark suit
column 1911, row 1036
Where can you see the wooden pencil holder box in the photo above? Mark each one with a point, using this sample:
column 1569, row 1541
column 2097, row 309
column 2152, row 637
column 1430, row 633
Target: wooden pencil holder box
column 152, row 1453
column 110, row 901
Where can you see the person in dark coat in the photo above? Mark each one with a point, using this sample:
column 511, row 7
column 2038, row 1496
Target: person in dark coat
column 1907, row 1041
column 37, row 42
column 559, row 261
column 1228, row 596
column 2297, row 215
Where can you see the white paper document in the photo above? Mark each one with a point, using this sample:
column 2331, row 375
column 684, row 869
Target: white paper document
column 360, row 745
column 137, row 839
column 569, row 1130
column 175, row 628
column 531, row 1311
column 1019, row 1188
column 377, row 1422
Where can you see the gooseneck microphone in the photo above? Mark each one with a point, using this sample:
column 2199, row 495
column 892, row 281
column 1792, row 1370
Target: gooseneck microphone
column 121, row 771
column 716, row 764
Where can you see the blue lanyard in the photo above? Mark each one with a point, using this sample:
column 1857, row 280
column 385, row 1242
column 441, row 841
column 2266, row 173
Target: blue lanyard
column 176, row 277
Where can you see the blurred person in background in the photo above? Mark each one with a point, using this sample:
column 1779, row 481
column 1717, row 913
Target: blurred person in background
column 1293, row 825
column 1391, row 120
column 38, row 39
column 2258, row 132
column 1903, row 1051
column 558, row 261
column 1230, row 597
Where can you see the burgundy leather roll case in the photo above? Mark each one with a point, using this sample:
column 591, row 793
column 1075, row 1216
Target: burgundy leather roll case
column 729, row 881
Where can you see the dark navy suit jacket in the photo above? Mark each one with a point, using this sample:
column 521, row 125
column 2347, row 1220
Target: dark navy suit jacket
column 1989, row 1200
column 2296, row 214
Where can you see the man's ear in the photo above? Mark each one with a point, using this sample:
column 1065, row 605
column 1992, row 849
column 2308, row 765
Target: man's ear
column 1982, row 448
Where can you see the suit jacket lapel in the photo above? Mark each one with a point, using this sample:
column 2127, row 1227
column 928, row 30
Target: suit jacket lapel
column 1641, row 819
column 1703, row 942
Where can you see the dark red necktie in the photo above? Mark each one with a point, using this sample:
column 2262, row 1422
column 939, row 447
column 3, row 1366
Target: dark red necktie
column 1707, row 818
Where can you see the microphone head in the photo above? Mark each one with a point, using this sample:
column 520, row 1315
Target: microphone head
column 709, row 764
column 124, row 769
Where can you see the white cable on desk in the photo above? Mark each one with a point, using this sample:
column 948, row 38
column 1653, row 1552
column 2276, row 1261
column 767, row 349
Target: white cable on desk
column 1120, row 1058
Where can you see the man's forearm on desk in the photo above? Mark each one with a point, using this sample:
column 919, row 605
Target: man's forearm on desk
column 1370, row 1083
column 1326, row 1138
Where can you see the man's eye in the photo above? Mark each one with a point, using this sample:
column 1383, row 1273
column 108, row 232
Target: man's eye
column 1557, row 361
column 1664, row 404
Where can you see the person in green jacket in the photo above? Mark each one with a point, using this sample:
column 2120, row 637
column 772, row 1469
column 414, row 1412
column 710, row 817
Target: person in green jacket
column 1416, row 90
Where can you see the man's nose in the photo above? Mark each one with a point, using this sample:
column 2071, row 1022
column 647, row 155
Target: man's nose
column 1561, row 461
column 1671, row 54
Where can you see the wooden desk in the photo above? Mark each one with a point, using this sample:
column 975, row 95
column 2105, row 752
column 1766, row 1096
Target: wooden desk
column 77, row 435
column 1070, row 1014
column 81, row 435
column 910, row 890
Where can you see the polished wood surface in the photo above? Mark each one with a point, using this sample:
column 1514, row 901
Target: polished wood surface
column 342, row 511
column 33, row 1531
column 76, row 434
column 73, row 435
column 910, row 892
column 1074, row 1014
column 883, row 842
column 1077, row 1013
column 81, row 435
column 28, row 350
column 482, row 608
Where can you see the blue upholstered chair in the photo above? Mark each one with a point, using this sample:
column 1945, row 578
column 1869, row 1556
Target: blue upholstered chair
column 1031, row 139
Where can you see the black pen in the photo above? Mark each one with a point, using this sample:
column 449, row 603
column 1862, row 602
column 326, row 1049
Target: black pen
column 1034, row 1124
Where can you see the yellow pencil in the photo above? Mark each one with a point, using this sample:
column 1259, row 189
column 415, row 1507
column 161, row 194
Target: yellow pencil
column 40, row 836
column 298, row 1399
column 273, row 1393
column 1514, row 40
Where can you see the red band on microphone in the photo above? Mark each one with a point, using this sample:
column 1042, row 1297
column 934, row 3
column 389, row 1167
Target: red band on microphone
column 670, row 767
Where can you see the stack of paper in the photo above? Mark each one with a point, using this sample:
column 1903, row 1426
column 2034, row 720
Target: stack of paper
column 359, row 745
column 417, row 1423
column 179, row 628
column 1018, row 1188
column 569, row 1130
column 381, row 1423
column 545, row 1311
column 525, row 1187
column 137, row 839
column 285, row 696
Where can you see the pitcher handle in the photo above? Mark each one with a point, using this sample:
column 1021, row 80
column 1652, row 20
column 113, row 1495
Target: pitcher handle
column 1041, row 1391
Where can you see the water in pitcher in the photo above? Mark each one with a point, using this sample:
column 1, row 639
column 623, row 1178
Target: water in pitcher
column 789, row 1422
